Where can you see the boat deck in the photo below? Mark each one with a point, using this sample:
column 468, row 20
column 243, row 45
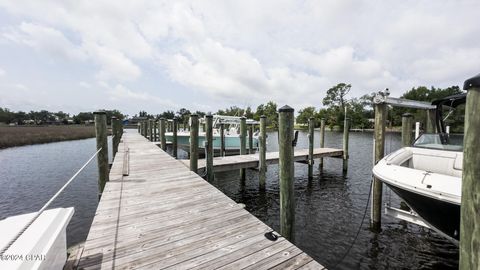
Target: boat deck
column 229, row 163
column 162, row 216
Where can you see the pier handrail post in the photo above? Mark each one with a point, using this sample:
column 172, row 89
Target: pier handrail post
column 115, row 135
column 322, row 140
column 120, row 125
column 102, row 157
column 222, row 139
column 311, row 127
column 163, row 141
column 250, row 139
column 286, row 172
column 469, row 217
column 209, row 137
column 346, row 128
column 144, row 128
column 430, row 126
column 407, row 119
column 194, row 142
column 379, row 136
column 138, row 127
column 243, row 143
column 174, row 137
column 152, row 127
column 262, row 153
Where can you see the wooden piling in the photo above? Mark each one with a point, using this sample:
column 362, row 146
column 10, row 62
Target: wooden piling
column 379, row 136
column 155, row 130
column 222, row 139
column 194, row 142
column 174, row 137
column 430, row 126
column 115, row 135
column 162, row 127
column 102, row 143
column 151, row 123
column 346, row 128
column 470, row 207
column 322, row 139
column 286, row 172
column 407, row 119
column 209, row 146
column 143, row 128
column 243, row 142
column 262, row 153
column 311, row 127
column 250, row 139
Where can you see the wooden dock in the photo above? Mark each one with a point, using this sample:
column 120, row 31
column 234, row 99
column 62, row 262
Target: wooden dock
column 162, row 216
column 228, row 163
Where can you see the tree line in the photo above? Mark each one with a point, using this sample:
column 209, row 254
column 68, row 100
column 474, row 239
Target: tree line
column 44, row 117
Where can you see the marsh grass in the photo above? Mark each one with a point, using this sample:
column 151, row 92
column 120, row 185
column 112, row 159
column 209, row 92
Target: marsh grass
column 24, row 135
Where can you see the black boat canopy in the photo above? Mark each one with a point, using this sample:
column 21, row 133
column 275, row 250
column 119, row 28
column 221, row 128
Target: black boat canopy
column 451, row 101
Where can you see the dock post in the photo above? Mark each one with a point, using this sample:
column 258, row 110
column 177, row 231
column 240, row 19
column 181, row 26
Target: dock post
column 430, row 127
column 102, row 157
column 155, row 130
column 311, row 126
column 243, row 142
column 222, row 139
column 194, row 142
column 209, row 146
column 470, row 216
column 407, row 129
column 115, row 135
column 163, row 142
column 379, row 136
column 250, row 139
column 143, row 128
column 286, row 172
column 262, row 153
column 174, row 137
column 322, row 140
column 151, row 122
column 138, row 127
column 346, row 128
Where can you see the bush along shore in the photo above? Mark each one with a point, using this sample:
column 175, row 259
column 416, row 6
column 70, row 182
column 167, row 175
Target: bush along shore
column 11, row 136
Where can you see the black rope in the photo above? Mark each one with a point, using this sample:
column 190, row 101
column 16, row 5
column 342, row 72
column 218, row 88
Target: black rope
column 359, row 228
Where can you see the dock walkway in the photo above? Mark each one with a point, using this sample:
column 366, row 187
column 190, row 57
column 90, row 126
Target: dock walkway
column 229, row 163
column 162, row 216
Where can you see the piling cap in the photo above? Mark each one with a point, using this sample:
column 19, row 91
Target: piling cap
column 100, row 112
column 407, row 115
column 472, row 82
column 263, row 116
column 286, row 108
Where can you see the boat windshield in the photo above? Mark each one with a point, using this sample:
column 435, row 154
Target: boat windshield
column 440, row 141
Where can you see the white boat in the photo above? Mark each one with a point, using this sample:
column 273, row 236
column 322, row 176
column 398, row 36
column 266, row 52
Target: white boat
column 43, row 245
column 428, row 177
column 231, row 136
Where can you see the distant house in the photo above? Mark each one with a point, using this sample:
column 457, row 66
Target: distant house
column 29, row 122
column 135, row 120
column 89, row 122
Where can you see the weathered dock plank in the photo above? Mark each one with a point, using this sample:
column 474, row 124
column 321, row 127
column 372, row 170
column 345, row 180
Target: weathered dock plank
column 162, row 216
column 230, row 163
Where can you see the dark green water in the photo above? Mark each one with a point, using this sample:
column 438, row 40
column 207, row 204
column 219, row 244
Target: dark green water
column 329, row 208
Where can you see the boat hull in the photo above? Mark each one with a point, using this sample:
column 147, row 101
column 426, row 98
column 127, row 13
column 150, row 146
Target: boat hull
column 232, row 143
column 443, row 216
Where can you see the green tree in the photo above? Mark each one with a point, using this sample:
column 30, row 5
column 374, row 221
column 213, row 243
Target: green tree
column 305, row 114
column 270, row 111
column 335, row 96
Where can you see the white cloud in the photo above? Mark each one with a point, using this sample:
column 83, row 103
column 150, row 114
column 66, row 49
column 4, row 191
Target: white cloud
column 45, row 39
column 251, row 51
column 85, row 85
column 2, row 72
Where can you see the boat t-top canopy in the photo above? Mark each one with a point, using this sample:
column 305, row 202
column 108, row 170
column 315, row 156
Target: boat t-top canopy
column 229, row 120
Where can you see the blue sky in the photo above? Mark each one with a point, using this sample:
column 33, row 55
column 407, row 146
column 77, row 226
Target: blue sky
column 204, row 55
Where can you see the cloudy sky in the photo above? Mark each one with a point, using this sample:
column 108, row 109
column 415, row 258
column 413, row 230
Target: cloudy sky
column 204, row 55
